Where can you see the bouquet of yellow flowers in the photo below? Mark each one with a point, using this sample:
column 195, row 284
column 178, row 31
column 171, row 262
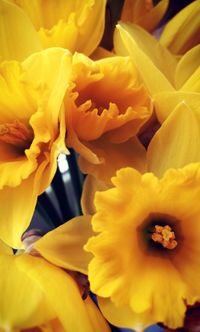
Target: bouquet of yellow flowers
column 112, row 87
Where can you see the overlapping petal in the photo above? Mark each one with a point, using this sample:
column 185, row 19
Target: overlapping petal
column 181, row 33
column 75, row 25
column 32, row 132
column 16, row 287
column 159, row 70
column 176, row 143
column 64, row 245
column 146, row 53
column 144, row 13
column 62, row 294
column 113, row 157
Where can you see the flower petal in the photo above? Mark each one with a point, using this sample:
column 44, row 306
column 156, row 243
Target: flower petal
column 51, row 70
column 165, row 102
column 98, row 321
column 123, row 316
column 18, row 309
column 144, row 13
column 182, row 32
column 132, row 40
column 114, row 157
column 91, row 185
column 176, row 143
column 61, row 292
column 64, row 245
column 187, row 66
column 16, row 212
column 80, row 29
column 4, row 249
column 63, row 34
column 18, row 38
column 91, row 23
column 193, row 82
column 17, row 95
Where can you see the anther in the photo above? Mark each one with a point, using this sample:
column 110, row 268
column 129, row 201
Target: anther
column 165, row 236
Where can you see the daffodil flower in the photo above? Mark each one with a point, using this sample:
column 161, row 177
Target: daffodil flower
column 32, row 134
column 144, row 13
column 106, row 105
column 169, row 82
column 37, row 295
column 76, row 25
column 145, row 267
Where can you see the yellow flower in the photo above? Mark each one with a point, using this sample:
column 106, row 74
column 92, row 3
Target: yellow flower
column 76, row 25
column 168, row 80
column 32, row 134
column 106, row 105
column 144, row 13
column 146, row 264
column 39, row 296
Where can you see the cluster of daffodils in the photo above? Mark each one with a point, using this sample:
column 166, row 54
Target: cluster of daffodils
column 132, row 115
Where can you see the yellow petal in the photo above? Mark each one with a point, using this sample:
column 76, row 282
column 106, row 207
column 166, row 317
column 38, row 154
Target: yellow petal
column 182, row 32
column 91, row 23
column 47, row 168
column 99, row 323
column 4, row 249
column 51, row 70
column 75, row 25
column 101, row 53
column 23, row 168
column 176, row 143
column 193, row 82
column 142, row 48
column 187, row 66
column 64, row 245
column 151, row 19
column 114, row 157
column 63, row 34
column 15, row 90
column 22, row 301
column 18, row 38
column 15, row 212
column 123, row 316
column 61, row 292
column 91, row 185
column 165, row 102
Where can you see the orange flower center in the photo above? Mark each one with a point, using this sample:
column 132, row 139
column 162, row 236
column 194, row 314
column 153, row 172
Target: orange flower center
column 165, row 236
column 16, row 133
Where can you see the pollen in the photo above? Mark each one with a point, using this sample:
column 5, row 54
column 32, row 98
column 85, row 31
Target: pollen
column 16, row 133
column 165, row 236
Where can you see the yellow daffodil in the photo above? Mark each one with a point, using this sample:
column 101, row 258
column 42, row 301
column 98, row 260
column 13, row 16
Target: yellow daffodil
column 169, row 82
column 144, row 13
column 106, row 105
column 39, row 296
column 182, row 32
column 146, row 226
column 145, row 267
column 32, row 134
column 74, row 24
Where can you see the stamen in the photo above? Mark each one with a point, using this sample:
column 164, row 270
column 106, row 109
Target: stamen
column 16, row 133
column 165, row 236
